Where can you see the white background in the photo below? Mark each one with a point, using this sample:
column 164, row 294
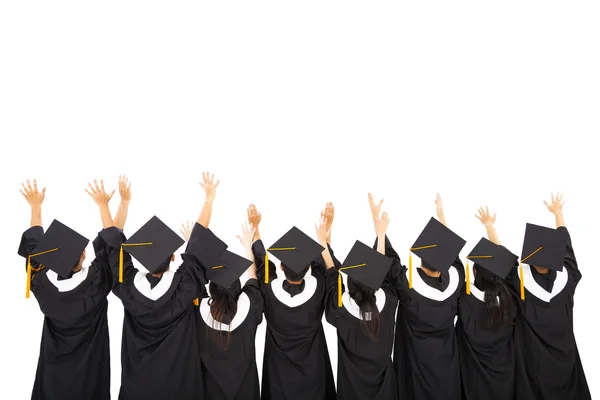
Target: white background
column 293, row 104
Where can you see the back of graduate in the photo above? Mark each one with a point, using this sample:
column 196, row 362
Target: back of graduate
column 229, row 321
column 74, row 361
column 364, row 317
column 296, row 360
column 548, row 362
column 426, row 357
column 160, row 357
column 486, row 320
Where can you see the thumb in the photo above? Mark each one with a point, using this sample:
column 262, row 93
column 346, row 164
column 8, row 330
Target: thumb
column 111, row 194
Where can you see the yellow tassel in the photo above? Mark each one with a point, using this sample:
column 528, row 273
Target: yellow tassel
column 28, row 284
column 339, row 289
column 522, row 283
column 196, row 302
column 267, row 268
column 410, row 272
column 468, row 278
column 121, row 265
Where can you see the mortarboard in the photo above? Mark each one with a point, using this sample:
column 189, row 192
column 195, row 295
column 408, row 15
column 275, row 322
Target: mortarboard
column 542, row 247
column 59, row 249
column 437, row 246
column 496, row 259
column 295, row 249
column 151, row 245
column 229, row 269
column 365, row 265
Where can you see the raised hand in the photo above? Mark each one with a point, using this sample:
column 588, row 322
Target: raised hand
column 322, row 232
column 486, row 217
column 246, row 236
column 556, row 203
column 209, row 185
column 98, row 193
column 381, row 224
column 34, row 197
column 124, row 188
column 254, row 217
column 328, row 214
column 439, row 209
column 375, row 207
column 186, row 230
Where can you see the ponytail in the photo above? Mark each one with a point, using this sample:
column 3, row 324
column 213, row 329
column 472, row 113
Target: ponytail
column 364, row 297
column 497, row 299
column 223, row 303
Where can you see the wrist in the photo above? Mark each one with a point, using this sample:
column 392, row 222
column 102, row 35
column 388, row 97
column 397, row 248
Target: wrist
column 125, row 202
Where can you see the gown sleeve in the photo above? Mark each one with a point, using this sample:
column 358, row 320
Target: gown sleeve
column 331, row 296
column 394, row 275
column 318, row 265
column 252, row 290
column 570, row 260
column 258, row 248
column 114, row 237
column 29, row 240
column 101, row 264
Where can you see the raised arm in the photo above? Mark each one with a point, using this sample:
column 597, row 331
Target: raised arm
column 125, row 193
column 31, row 236
column 246, row 238
column 258, row 249
column 555, row 207
column 101, row 198
column 439, row 209
column 381, row 226
column 323, row 235
column 328, row 214
column 210, row 189
column 35, row 198
column 254, row 218
column 488, row 221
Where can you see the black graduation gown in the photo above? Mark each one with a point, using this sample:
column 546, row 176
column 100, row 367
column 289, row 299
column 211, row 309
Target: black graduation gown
column 487, row 355
column 296, row 362
column 365, row 369
column 74, row 361
column 231, row 373
column 548, row 363
column 426, row 357
column 160, row 356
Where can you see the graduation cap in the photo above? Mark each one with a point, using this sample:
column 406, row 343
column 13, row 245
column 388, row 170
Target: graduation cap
column 542, row 247
column 365, row 265
column 59, row 249
column 295, row 249
column 229, row 269
column 151, row 245
column 496, row 259
column 206, row 246
column 437, row 246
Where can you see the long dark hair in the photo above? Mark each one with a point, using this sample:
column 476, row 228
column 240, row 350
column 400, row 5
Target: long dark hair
column 364, row 297
column 223, row 304
column 497, row 298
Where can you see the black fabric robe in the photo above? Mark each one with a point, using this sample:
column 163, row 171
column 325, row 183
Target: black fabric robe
column 74, row 361
column 548, row 363
column 160, row 356
column 365, row 368
column 296, row 361
column 487, row 354
column 426, row 357
column 230, row 373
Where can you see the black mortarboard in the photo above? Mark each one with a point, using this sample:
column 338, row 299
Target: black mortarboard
column 295, row 249
column 543, row 247
column 494, row 258
column 60, row 248
column 152, row 244
column 437, row 246
column 206, row 246
column 229, row 269
column 366, row 265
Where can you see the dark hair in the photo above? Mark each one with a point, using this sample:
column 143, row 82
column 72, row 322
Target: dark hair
column 223, row 304
column 365, row 299
column 497, row 298
column 163, row 267
column 293, row 276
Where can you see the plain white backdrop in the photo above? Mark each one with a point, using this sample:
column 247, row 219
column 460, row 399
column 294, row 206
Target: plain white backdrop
column 293, row 104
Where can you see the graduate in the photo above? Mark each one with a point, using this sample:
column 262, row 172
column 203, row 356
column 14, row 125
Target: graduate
column 229, row 320
column 160, row 356
column 426, row 357
column 74, row 360
column 486, row 320
column 548, row 363
column 296, row 360
column 363, row 312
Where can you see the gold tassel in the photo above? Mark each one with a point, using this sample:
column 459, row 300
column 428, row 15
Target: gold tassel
column 522, row 283
column 196, row 302
column 410, row 271
column 28, row 284
column 266, row 267
column 468, row 278
column 121, row 265
column 339, row 289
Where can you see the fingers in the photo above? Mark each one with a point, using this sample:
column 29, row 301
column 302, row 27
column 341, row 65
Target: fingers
column 24, row 195
column 92, row 191
column 546, row 204
column 111, row 194
column 35, row 188
column 88, row 192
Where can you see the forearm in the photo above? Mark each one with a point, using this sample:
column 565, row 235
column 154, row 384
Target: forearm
column 204, row 218
column 327, row 256
column 381, row 243
column 256, row 236
column 252, row 268
column 492, row 234
column 441, row 217
column 560, row 220
column 107, row 220
column 36, row 216
column 121, row 216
